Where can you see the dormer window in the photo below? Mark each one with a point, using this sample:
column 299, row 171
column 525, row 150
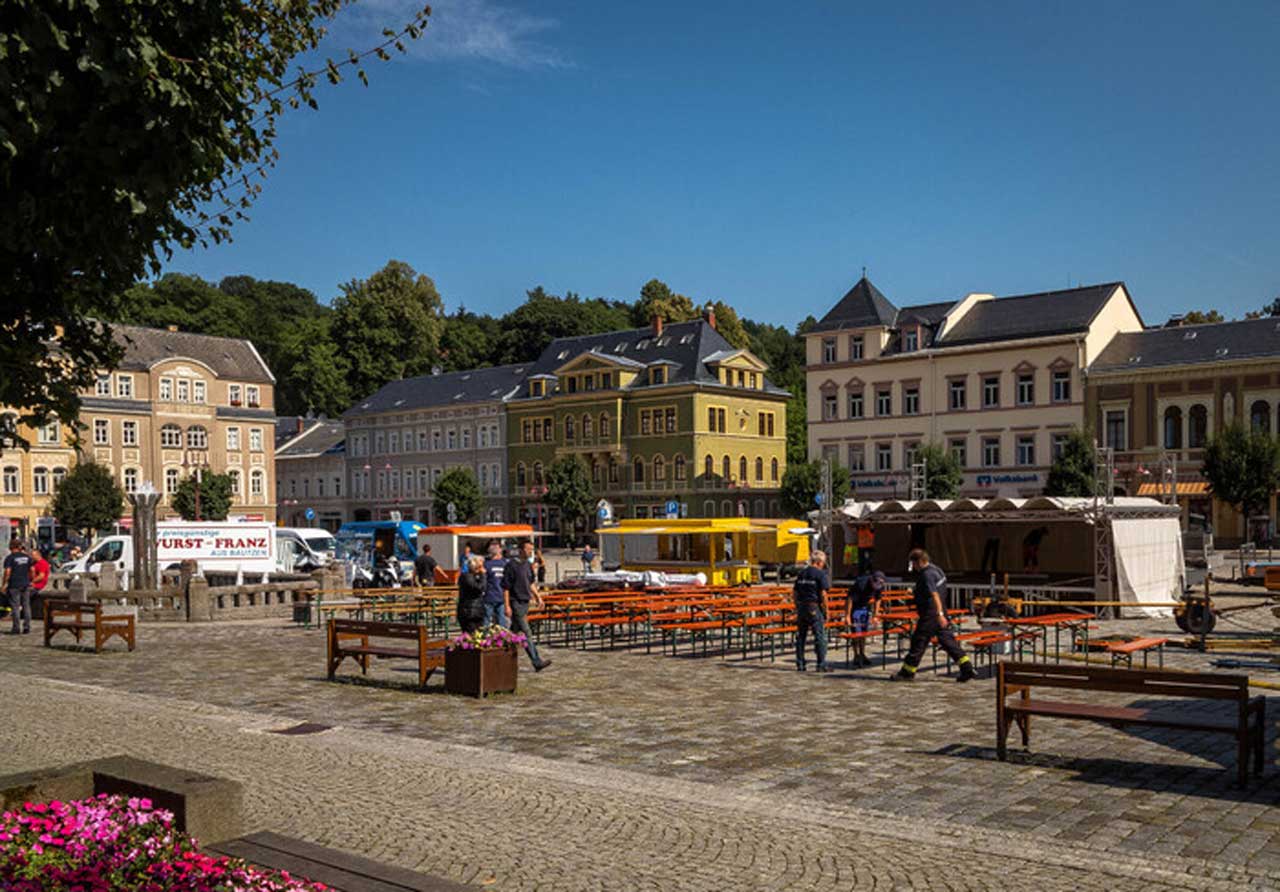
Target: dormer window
column 606, row 380
column 658, row 375
column 911, row 340
column 536, row 388
column 571, row 384
column 251, row 392
column 855, row 346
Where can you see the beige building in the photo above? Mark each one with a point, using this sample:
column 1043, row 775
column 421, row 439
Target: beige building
column 997, row 381
column 178, row 402
column 1155, row 397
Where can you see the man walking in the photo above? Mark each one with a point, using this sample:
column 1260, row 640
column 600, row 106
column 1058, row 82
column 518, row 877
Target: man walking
column 931, row 620
column 424, row 568
column 810, row 593
column 522, row 590
column 17, row 586
column 495, row 613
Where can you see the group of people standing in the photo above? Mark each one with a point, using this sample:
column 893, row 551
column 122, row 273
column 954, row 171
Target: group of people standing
column 862, row 612
column 26, row 573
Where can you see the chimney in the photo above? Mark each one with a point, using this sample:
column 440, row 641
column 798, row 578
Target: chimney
column 171, row 327
column 657, row 325
column 298, row 423
column 711, row 315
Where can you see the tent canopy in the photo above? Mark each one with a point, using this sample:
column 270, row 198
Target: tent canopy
column 1040, row 508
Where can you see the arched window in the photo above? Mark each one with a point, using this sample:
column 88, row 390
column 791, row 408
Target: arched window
column 773, row 470
column 59, row 474
column 726, row 508
column 742, row 469
column 680, row 469
column 40, row 481
column 130, row 480
column 606, row 430
column 708, row 467
column 1173, row 428
column 708, row 508
column 537, row 473
column 595, row 471
column 197, row 437
column 257, row 482
column 1260, row 416
column 520, row 475
column 659, row 468
column 1197, row 426
column 638, row 472
column 171, row 436
column 234, row 474
column 759, row 469
column 726, row 468
column 568, row 428
column 586, row 427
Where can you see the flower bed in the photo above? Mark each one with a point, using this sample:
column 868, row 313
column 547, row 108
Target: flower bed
column 108, row 843
column 493, row 638
column 483, row 662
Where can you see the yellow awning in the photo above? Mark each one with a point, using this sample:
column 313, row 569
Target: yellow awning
column 679, row 531
column 1184, row 488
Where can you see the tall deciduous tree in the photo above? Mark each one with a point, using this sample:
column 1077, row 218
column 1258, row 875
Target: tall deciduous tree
column 88, row 498
column 569, row 489
column 730, row 326
column 127, row 129
column 803, row 481
column 656, row 299
column 943, row 474
column 1074, row 471
column 215, row 497
column 1243, row 468
column 459, row 486
column 311, row 375
column 391, row 325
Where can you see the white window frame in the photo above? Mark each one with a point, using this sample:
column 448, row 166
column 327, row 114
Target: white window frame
column 987, row 444
column 253, row 396
column 1027, row 442
column 989, row 381
column 183, row 392
column 255, row 439
column 128, row 433
column 233, row 394
column 102, row 386
column 171, row 429
column 828, row 349
column 124, row 387
column 197, row 391
column 233, row 438
column 257, row 482
column 1027, row 380
column 884, row 456
column 101, row 432
column 12, row 475
column 1060, row 387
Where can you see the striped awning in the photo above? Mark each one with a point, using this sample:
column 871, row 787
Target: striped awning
column 1184, row 488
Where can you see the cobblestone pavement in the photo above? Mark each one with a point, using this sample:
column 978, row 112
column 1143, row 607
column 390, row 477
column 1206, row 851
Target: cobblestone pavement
column 764, row 746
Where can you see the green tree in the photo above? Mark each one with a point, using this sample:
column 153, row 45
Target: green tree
column 1200, row 317
column 1243, row 468
column 656, row 299
column 569, row 489
column 88, row 498
column 543, row 317
column 797, row 431
column 128, row 129
column 215, row 497
column 730, row 326
column 943, row 474
column 391, row 324
column 311, row 375
column 803, row 481
column 1074, row 471
column 470, row 342
column 458, row 485
column 188, row 302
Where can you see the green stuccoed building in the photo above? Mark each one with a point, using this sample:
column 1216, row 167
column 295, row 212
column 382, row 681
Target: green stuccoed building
column 668, row 413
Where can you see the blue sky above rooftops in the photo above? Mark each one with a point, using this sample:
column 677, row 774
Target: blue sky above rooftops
column 762, row 154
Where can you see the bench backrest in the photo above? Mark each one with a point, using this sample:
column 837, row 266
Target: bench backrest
column 377, row 630
column 1155, row 682
column 62, row 605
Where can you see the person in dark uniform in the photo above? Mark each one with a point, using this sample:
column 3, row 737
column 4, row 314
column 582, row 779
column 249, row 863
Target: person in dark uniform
column 17, row 585
column 494, row 600
column 810, row 593
column 424, row 568
column 471, row 584
column 863, row 608
column 930, row 599
column 519, row 579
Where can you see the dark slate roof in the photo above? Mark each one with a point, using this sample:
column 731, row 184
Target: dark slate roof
column 930, row 314
column 862, row 306
column 233, row 358
column 1191, row 344
column 450, row 389
column 1029, row 315
column 322, row 438
column 685, row 345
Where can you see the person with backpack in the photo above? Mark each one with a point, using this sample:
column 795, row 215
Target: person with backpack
column 863, row 609
column 931, row 620
column 810, row 594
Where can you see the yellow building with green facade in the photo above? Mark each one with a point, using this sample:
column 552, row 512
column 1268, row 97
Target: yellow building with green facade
column 662, row 414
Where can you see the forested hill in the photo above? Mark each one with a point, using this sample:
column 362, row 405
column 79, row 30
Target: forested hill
column 394, row 324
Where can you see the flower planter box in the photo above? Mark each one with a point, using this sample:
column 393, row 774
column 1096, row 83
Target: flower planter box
column 478, row 673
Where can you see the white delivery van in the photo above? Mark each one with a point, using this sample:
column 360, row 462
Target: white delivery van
column 241, row 548
column 312, row 547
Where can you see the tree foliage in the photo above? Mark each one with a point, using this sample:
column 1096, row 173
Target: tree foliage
column 1074, row 471
column 569, row 489
column 943, row 474
column 657, row 299
column 88, row 498
column 803, row 481
column 1202, row 317
column 458, row 485
column 215, row 497
column 127, row 129
column 1243, row 468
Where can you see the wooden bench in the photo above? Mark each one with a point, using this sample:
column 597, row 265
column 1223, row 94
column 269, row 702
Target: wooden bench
column 350, row 638
column 338, row 870
column 79, row 617
column 1124, row 650
column 1248, row 725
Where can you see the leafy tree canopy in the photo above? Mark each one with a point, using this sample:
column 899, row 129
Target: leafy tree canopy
column 1243, row 468
column 215, row 497
column 311, row 375
column 88, row 498
column 656, row 299
column 569, row 489
column 943, row 474
column 803, row 481
column 1201, row 317
column 1074, row 471
column 127, row 129
column 458, row 485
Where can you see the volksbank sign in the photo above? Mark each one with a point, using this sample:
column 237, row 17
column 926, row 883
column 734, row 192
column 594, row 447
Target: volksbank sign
column 989, row 480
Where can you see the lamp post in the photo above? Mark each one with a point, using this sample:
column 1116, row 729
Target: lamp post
column 144, row 502
column 197, row 464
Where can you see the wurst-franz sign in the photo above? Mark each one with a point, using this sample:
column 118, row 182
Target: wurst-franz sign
column 250, row 546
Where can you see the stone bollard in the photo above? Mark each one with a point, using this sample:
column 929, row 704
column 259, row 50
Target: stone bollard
column 79, row 589
column 195, row 593
column 108, row 577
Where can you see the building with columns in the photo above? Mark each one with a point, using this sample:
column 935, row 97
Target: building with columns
column 997, row 381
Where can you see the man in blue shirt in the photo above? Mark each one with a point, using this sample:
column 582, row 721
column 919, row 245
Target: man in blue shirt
column 17, row 585
column 518, row 578
column 495, row 613
column 929, row 595
column 810, row 593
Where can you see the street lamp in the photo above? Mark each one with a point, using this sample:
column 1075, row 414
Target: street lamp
column 144, row 501
column 198, row 464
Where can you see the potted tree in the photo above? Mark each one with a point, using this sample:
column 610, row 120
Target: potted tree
column 483, row 662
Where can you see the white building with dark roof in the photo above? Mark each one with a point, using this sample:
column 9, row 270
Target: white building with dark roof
column 997, row 381
column 311, row 473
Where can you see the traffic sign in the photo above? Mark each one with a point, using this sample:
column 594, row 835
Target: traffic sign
column 673, row 508
column 452, row 511
column 818, row 498
column 604, row 511
column 310, row 514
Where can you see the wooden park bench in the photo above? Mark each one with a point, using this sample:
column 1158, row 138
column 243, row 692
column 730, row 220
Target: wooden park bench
column 1248, row 725
column 1123, row 651
column 350, row 638
column 79, row 617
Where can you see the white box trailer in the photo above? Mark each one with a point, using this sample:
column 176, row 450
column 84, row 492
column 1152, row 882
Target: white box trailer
column 218, row 547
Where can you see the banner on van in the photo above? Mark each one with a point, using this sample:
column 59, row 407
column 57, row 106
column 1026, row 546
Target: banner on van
column 236, row 542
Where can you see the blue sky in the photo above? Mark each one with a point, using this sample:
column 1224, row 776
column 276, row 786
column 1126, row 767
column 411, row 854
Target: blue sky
column 762, row 153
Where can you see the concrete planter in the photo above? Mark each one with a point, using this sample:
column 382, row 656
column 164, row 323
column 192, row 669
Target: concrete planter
column 478, row 673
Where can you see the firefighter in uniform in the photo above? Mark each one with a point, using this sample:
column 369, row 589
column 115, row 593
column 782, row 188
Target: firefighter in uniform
column 929, row 596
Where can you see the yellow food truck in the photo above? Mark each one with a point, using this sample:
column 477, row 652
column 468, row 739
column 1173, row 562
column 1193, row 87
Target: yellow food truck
column 726, row 550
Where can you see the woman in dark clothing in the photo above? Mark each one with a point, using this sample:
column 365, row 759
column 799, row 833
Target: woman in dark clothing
column 471, row 595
